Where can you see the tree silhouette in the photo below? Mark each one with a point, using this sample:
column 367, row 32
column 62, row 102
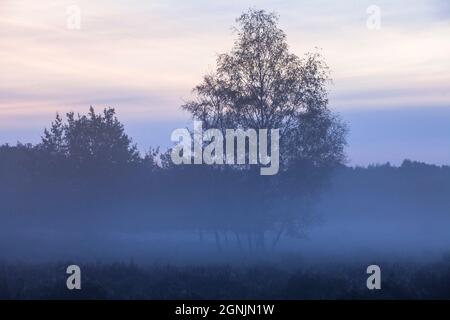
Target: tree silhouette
column 93, row 139
column 53, row 140
column 260, row 84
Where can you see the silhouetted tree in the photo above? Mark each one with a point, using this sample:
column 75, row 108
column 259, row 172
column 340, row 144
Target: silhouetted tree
column 260, row 84
column 93, row 139
column 53, row 140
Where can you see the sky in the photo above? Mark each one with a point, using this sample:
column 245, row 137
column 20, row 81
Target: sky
column 390, row 84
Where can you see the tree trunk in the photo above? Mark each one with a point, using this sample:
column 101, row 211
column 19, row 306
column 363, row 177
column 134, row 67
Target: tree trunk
column 217, row 237
column 238, row 239
column 249, row 239
column 261, row 240
column 277, row 238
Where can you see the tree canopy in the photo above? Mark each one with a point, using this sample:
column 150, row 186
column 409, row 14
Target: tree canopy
column 260, row 84
column 95, row 139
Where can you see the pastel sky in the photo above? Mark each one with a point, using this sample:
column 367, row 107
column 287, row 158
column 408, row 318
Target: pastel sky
column 391, row 85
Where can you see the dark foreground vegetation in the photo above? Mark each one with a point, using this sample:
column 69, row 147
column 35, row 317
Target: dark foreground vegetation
column 129, row 281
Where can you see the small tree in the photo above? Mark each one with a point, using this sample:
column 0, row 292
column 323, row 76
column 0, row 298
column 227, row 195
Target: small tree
column 53, row 140
column 93, row 139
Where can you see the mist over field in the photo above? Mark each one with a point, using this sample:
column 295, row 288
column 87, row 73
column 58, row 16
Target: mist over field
column 376, row 213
